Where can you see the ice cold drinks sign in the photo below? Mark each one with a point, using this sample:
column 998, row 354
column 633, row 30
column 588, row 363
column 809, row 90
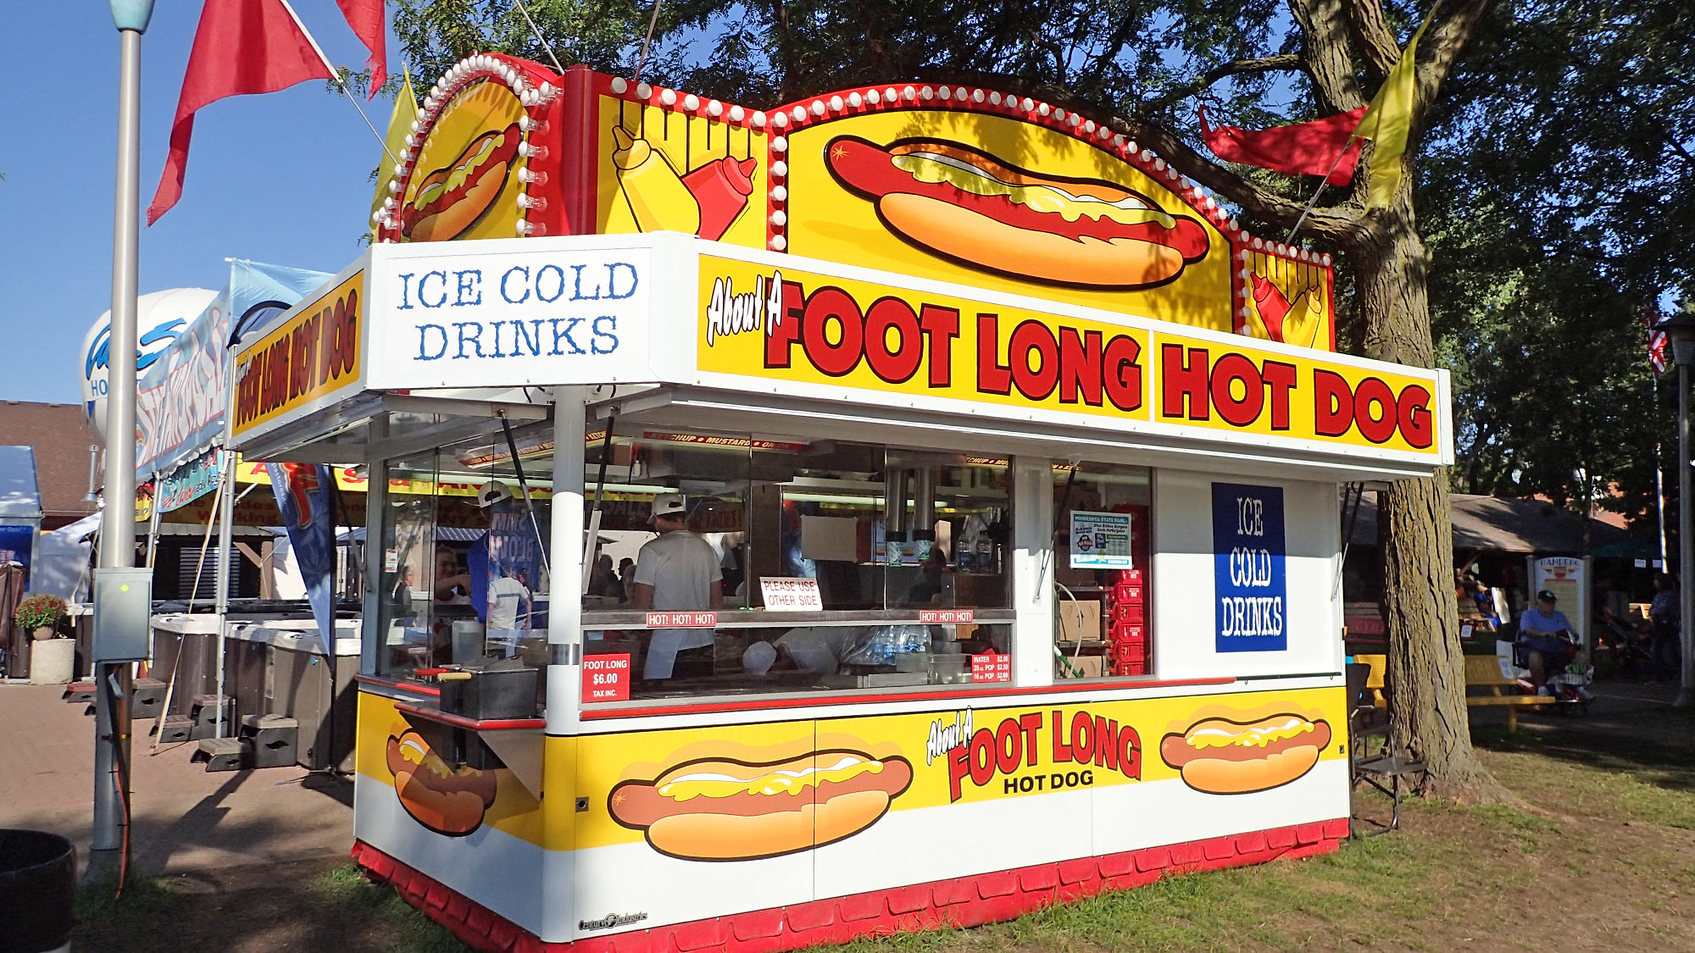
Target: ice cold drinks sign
column 1250, row 584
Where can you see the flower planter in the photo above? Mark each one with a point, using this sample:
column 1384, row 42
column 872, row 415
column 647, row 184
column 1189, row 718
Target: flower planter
column 52, row 661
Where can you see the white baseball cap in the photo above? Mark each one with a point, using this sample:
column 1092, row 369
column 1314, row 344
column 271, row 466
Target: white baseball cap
column 493, row 492
column 669, row 504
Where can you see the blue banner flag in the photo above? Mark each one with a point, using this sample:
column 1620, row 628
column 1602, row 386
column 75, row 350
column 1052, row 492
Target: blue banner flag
column 303, row 496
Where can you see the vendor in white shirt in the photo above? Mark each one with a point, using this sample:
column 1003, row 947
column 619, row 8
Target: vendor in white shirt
column 675, row 572
column 508, row 598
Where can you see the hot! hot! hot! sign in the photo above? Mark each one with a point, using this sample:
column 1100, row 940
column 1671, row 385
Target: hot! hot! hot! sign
column 854, row 338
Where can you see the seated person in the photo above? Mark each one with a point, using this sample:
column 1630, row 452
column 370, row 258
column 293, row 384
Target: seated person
column 1548, row 636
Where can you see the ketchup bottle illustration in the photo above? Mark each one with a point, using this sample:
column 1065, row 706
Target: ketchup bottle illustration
column 1272, row 306
column 722, row 187
column 657, row 195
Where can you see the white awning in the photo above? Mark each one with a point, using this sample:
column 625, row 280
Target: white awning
column 20, row 495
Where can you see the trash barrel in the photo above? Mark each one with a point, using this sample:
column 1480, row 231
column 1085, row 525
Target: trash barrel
column 37, row 891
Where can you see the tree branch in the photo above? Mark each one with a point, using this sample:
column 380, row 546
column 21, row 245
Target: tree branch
column 1328, row 54
column 1372, row 36
column 1282, row 62
column 1441, row 46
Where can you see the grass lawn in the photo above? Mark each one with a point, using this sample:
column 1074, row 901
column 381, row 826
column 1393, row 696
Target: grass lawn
column 1601, row 857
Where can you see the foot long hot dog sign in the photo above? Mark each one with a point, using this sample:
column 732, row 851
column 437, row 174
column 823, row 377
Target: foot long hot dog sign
column 839, row 332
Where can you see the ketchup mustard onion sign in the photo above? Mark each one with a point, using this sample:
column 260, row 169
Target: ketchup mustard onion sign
column 1250, row 581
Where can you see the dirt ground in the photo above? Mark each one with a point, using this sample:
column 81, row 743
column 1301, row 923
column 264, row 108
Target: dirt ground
column 1601, row 857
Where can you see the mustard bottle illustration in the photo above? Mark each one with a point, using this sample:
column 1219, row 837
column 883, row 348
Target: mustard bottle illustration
column 656, row 193
column 1305, row 318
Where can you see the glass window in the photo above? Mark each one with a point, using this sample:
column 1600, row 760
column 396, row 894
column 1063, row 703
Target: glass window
column 1101, row 548
column 465, row 569
column 888, row 563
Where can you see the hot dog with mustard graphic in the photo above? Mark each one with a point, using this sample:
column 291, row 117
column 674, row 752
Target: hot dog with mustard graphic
column 1223, row 756
column 726, row 809
column 444, row 799
column 964, row 204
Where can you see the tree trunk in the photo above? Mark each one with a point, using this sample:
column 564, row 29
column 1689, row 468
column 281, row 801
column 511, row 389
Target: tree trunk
column 1426, row 676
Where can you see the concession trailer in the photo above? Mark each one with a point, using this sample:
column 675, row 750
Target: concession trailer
column 1012, row 460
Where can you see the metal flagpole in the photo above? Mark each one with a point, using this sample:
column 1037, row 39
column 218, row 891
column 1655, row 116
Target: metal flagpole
column 221, row 600
column 117, row 537
column 335, row 75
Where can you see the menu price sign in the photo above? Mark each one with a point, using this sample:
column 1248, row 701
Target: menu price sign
column 787, row 594
column 1100, row 540
column 682, row 620
column 1250, row 583
column 606, row 678
column 991, row 667
column 947, row 616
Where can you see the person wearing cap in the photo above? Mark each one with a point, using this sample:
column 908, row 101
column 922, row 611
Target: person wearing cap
column 1547, row 634
column 677, row 571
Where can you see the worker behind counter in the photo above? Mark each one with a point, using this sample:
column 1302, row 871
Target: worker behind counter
column 676, row 572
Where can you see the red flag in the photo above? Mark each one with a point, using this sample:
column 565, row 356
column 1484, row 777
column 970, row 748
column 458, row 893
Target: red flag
column 366, row 19
column 1308, row 148
column 240, row 47
column 1656, row 343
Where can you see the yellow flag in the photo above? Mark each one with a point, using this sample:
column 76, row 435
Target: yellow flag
column 1387, row 122
column 399, row 125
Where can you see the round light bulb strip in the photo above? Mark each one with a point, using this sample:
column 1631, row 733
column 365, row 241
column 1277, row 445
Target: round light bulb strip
column 534, row 93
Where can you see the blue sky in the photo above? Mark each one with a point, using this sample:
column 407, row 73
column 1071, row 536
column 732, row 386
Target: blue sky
column 281, row 178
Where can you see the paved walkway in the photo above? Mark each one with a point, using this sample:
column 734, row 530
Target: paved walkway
column 184, row 818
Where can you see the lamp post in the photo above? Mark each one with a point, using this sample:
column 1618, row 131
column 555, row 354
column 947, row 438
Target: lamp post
column 1680, row 331
column 117, row 530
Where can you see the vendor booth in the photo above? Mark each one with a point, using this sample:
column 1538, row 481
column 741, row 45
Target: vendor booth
column 997, row 476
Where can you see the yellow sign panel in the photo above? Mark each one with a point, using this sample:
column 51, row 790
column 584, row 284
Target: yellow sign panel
column 1289, row 300
column 662, row 170
column 463, row 183
column 745, row 792
column 1000, row 203
column 762, row 320
column 312, row 355
column 727, row 793
column 787, row 324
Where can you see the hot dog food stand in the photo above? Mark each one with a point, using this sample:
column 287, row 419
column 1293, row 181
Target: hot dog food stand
column 1018, row 464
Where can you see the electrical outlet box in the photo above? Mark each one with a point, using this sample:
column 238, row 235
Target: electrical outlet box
column 123, row 611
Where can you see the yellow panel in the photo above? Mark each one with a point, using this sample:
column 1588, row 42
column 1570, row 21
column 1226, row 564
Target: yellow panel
column 692, row 792
column 472, row 149
column 1017, row 238
column 443, row 799
column 662, row 170
column 1290, row 301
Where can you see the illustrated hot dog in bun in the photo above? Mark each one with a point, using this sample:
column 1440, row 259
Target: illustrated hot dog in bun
column 737, row 810
column 1221, row 756
column 958, row 202
column 443, row 799
column 453, row 198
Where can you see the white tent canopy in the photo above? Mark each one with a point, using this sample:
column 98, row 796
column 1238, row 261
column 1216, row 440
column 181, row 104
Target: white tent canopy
column 62, row 560
column 20, row 496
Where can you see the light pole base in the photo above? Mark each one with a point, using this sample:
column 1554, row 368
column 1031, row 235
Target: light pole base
column 1685, row 698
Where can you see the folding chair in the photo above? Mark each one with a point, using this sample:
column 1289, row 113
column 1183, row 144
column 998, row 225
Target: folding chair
column 1373, row 758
